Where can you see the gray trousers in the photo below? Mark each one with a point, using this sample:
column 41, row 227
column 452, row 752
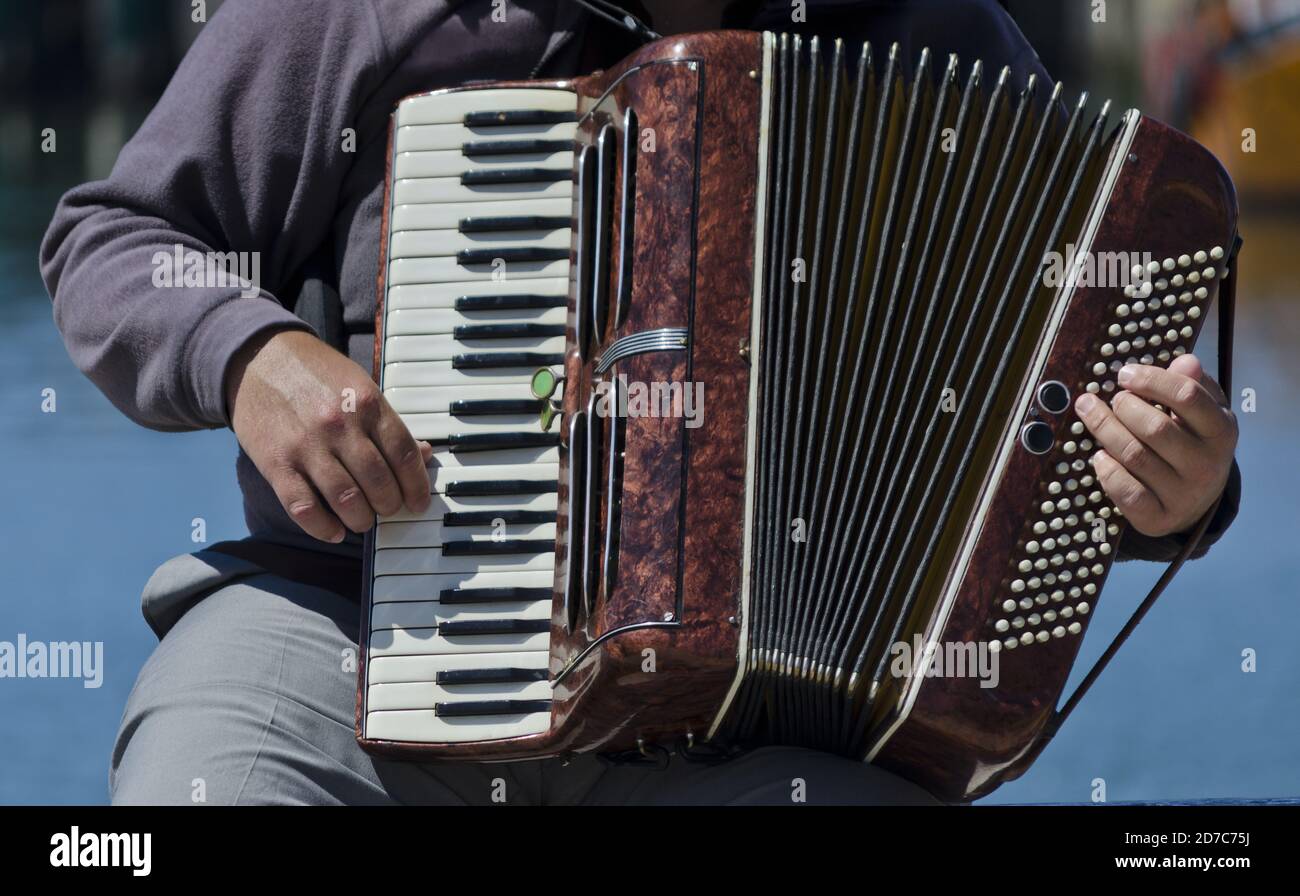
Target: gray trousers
column 250, row 698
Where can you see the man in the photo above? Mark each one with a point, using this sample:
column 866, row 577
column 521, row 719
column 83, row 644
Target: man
column 271, row 139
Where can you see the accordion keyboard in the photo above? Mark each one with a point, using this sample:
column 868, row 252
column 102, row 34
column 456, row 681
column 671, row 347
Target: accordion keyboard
column 476, row 294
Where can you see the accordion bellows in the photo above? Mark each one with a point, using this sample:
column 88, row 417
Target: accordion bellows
column 888, row 281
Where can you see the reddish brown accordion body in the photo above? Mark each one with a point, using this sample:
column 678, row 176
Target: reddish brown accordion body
column 918, row 518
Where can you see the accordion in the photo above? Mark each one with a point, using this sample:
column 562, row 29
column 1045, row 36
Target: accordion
column 749, row 367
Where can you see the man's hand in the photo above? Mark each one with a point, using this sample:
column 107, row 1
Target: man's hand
column 1162, row 470
column 320, row 431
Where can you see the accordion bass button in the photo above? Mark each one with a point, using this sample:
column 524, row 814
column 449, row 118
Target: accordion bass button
column 1037, row 437
column 1053, row 397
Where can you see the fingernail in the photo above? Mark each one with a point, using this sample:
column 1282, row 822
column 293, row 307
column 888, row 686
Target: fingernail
column 336, row 538
column 1085, row 402
column 1126, row 374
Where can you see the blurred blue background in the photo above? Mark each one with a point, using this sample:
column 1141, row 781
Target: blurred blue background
column 93, row 503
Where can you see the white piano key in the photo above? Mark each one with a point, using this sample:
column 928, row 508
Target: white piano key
column 415, row 641
column 409, row 561
column 431, row 321
column 491, row 469
column 440, row 427
column 453, row 162
column 438, row 243
column 448, row 215
column 424, row 694
column 469, row 460
column 422, row 726
column 429, row 614
column 438, row 399
column 430, row 587
column 442, row 474
column 441, row 504
column 450, row 189
column 444, row 295
column 409, row 323
column 443, row 347
column 431, row 533
column 421, row 137
column 447, row 269
column 451, row 107
column 404, row 374
column 425, row 667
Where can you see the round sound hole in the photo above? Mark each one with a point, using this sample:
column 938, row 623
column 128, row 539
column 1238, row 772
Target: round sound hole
column 1053, row 397
column 1037, row 437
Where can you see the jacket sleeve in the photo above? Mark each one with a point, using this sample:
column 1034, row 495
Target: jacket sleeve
column 244, row 153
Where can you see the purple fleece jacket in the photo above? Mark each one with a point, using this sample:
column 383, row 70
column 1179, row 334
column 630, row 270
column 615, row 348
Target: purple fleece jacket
column 271, row 139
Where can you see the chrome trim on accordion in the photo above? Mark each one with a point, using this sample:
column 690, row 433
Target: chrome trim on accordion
column 665, row 339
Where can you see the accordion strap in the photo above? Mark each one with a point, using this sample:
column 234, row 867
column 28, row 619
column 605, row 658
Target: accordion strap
column 617, row 15
column 1227, row 303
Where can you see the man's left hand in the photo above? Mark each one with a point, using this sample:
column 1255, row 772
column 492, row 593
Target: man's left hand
column 1163, row 470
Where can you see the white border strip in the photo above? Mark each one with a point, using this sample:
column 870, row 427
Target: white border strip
column 755, row 329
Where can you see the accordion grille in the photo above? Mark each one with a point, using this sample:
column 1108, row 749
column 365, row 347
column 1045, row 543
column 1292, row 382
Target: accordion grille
column 909, row 214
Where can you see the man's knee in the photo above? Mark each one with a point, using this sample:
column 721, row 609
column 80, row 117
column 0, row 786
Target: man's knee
column 199, row 745
column 248, row 698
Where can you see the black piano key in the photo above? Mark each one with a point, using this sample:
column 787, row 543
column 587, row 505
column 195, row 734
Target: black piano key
column 484, row 176
column 499, row 441
column 505, row 546
column 494, row 627
column 506, row 331
column 492, row 595
column 458, row 489
column 490, row 676
column 510, row 303
column 522, row 146
column 490, row 707
column 517, row 116
column 489, row 360
column 499, row 223
column 517, row 254
column 488, row 406
column 489, row 517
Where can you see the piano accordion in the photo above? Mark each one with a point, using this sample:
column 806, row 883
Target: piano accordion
column 846, row 253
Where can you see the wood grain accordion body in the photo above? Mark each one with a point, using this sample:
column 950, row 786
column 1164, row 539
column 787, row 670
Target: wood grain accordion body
column 815, row 320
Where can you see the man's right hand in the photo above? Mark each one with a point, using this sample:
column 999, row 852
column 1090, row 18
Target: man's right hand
column 318, row 428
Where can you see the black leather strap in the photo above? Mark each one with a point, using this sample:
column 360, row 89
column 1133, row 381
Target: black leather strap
column 616, row 15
